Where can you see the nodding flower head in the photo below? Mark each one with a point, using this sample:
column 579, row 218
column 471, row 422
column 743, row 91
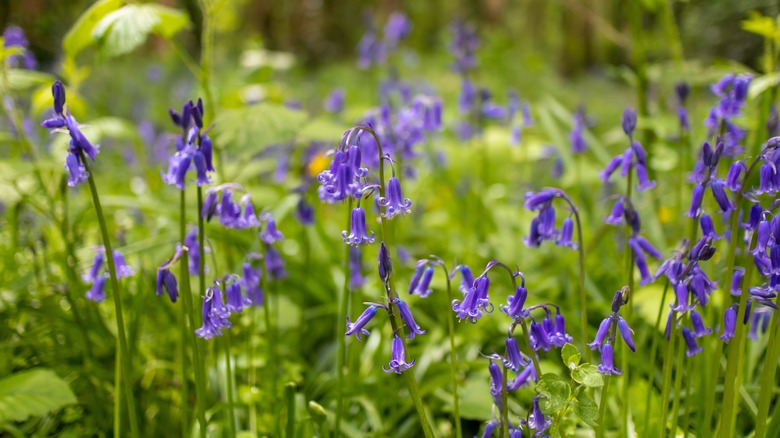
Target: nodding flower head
column 537, row 420
column 271, row 234
column 607, row 366
column 514, row 358
column 515, row 303
column 384, row 264
column 358, row 234
column 215, row 314
column 394, row 203
column 236, row 301
column 558, row 335
column 251, row 283
column 408, row 319
column 274, row 263
column 690, row 341
column 193, row 251
column 398, row 363
column 467, row 281
column 423, row 285
column 496, row 379
column 729, row 324
column 475, row 301
column 540, row 340
column 541, row 200
column 97, row 292
column 356, row 328
column 567, row 232
column 602, row 332
column 699, row 329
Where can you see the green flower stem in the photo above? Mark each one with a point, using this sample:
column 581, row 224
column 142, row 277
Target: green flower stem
column 231, row 401
column 671, row 346
column 289, row 390
column 767, row 376
column 185, row 390
column 678, row 377
column 342, row 339
column 453, row 358
column 601, row 428
column 411, row 380
column 124, row 357
column 271, row 360
column 653, row 355
column 624, row 405
column 186, row 292
column 688, row 390
column 711, row 386
column 581, row 278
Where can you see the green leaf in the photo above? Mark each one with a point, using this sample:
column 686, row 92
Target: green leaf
column 125, row 29
column 250, row 129
column 79, row 36
column 586, row 408
column 556, row 391
column 761, row 25
column 570, row 355
column 31, row 393
column 588, row 375
column 20, row 79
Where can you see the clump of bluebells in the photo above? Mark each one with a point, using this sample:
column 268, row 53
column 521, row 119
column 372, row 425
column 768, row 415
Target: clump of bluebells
column 731, row 91
column 606, row 334
column 97, row 274
column 543, row 225
column 193, row 147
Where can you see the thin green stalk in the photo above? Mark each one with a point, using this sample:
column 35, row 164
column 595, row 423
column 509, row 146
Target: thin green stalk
column 271, row 360
column 653, row 353
column 411, row 380
column 603, row 406
column 342, row 341
column 671, row 347
column 504, row 403
column 678, row 377
column 231, row 401
column 581, row 278
column 124, row 357
column 289, row 390
column 118, row 393
column 712, row 381
column 767, row 376
column 453, row 359
column 688, row 393
column 185, row 390
column 624, row 405
column 186, row 291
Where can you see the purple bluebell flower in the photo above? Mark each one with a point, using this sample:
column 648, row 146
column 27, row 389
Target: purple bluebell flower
column 607, row 366
column 641, row 176
column 394, row 203
column 210, row 205
column 524, row 377
column 193, row 251
column 720, row 196
column 576, row 138
column 334, row 103
column 616, row 215
column 629, row 121
column 97, row 292
column 733, row 182
column 681, row 291
column 708, row 228
column 540, row 340
column 398, row 363
column 567, row 231
column 97, row 265
column 249, row 218
column 698, row 195
column 625, row 333
column 515, row 303
column 200, row 168
column 699, row 329
column 271, row 234
column 690, row 341
column 13, row 36
column 123, row 270
column 274, row 264
column 464, row 46
column 166, row 282
column 304, row 212
column 371, row 50
column 760, row 322
column 558, row 335
column 397, row 28
column 612, row 166
column 423, row 286
column 490, row 427
column 236, row 301
column 229, row 211
column 214, row 314
column 474, row 302
column 602, row 332
column 736, row 281
column 356, row 328
column 408, row 319
column 537, row 420
column 251, row 283
column 76, row 170
column 496, row 381
column 467, row 281
column 357, row 234
column 514, row 358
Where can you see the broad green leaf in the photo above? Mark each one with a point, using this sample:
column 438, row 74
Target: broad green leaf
column 570, row 355
column 32, row 393
column 20, row 79
column 250, row 129
column 79, row 36
column 556, row 391
column 125, row 29
column 588, row 375
column 586, row 408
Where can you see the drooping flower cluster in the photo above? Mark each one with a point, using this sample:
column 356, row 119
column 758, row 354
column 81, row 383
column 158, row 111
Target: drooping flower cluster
column 79, row 147
column 218, row 306
column 98, row 273
column 420, row 283
column 13, row 36
column 193, row 147
column 464, row 46
column 219, row 202
column 705, row 175
column 682, row 89
column 475, row 300
column 634, row 157
column 605, row 336
column 373, row 50
column 543, row 225
column 731, row 91
column 576, row 136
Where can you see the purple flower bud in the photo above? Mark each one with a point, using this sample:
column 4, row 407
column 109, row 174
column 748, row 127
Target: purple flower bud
column 766, row 175
column 736, row 281
column 641, row 176
column 423, row 286
column 628, row 156
column 732, row 179
column 467, row 281
column 358, row 234
column 682, row 89
column 167, row 281
column 200, row 168
column 616, row 216
column 515, row 303
column 629, row 121
column 304, row 212
column 625, row 332
column 720, row 196
column 490, row 427
column 496, row 378
column 601, row 334
column 58, row 91
column 356, row 328
column 708, row 228
column 607, row 366
column 385, row 264
column 699, row 329
column 271, row 234
column 698, row 194
column 97, row 292
column 408, row 319
column 690, row 341
column 209, row 206
column 756, row 212
column 567, row 232
column 524, row 378
column 729, row 324
column 206, row 148
column 398, row 363
column 682, row 298
column 123, row 270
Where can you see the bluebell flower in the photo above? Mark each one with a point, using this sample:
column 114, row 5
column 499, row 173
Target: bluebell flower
column 97, row 265
column 13, row 36
column 304, row 212
column 193, row 251
column 629, row 121
column 515, row 303
column 123, row 270
column 274, row 264
column 567, row 231
column 210, row 205
column 229, row 211
column 271, row 234
column 236, row 301
column 698, row 195
column 524, row 377
column 490, row 427
column 690, row 341
column 625, row 333
column 708, row 228
column 576, row 137
column 736, row 281
column 601, row 333
column 475, row 301
column 496, row 381
column 616, row 215
column 249, row 218
column 537, row 421
column 682, row 293
column 720, row 196
column 514, row 358
column 334, row 103
column 251, row 283
column 760, row 322
column 397, row 28
column 419, row 269
column 467, row 281
column 398, row 363
column 539, row 337
column 408, row 319
column 558, row 335
column 423, row 286
column 464, row 46
column 356, row 328
column 166, row 282
column 371, row 50
column 357, row 234
column 97, row 292
column 214, row 314
column 394, row 203
column 607, row 366
column 699, row 329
